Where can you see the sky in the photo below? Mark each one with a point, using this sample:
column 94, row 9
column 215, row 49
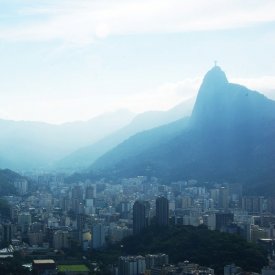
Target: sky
column 70, row 60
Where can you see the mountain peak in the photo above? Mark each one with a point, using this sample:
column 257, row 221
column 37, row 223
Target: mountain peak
column 215, row 76
column 220, row 102
column 211, row 95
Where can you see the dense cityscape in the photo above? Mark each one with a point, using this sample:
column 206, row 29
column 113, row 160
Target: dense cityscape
column 49, row 220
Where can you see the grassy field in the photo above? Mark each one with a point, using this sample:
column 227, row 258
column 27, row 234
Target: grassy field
column 75, row 268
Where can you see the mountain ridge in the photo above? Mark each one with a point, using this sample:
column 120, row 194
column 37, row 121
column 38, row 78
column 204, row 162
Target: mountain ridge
column 84, row 157
column 229, row 137
column 31, row 145
column 7, row 177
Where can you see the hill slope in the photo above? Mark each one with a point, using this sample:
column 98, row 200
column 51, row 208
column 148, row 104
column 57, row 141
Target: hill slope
column 7, row 177
column 85, row 156
column 31, row 145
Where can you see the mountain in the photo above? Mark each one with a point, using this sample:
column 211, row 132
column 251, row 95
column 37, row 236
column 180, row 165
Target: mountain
column 85, row 156
column 31, row 145
column 7, row 177
column 219, row 101
column 229, row 137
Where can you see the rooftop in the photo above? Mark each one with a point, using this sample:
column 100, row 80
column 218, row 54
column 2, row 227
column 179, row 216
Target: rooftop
column 48, row 261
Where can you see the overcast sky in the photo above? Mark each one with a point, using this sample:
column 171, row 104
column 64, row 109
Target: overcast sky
column 71, row 60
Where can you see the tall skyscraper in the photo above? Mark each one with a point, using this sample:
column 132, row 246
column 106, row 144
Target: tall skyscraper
column 81, row 220
column 141, row 216
column 90, row 192
column 24, row 221
column 162, row 211
column 90, row 195
column 223, row 198
column 77, row 199
column 98, row 236
column 77, row 192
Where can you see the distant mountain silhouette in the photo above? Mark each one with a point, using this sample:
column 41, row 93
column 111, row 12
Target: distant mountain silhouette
column 28, row 145
column 229, row 137
column 84, row 157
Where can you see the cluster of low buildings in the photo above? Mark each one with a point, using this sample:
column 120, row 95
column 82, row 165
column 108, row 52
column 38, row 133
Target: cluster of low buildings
column 157, row 264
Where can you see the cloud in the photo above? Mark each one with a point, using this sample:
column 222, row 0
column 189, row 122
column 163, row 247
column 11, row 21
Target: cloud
column 262, row 84
column 170, row 94
column 162, row 97
column 58, row 110
column 82, row 22
column 4, row 115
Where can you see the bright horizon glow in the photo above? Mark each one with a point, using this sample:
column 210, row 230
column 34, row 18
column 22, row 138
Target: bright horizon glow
column 74, row 60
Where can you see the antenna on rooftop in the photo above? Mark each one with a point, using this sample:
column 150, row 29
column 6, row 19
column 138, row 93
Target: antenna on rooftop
column 215, row 63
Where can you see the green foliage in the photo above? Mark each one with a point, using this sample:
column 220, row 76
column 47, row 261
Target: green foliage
column 73, row 268
column 196, row 244
column 13, row 266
